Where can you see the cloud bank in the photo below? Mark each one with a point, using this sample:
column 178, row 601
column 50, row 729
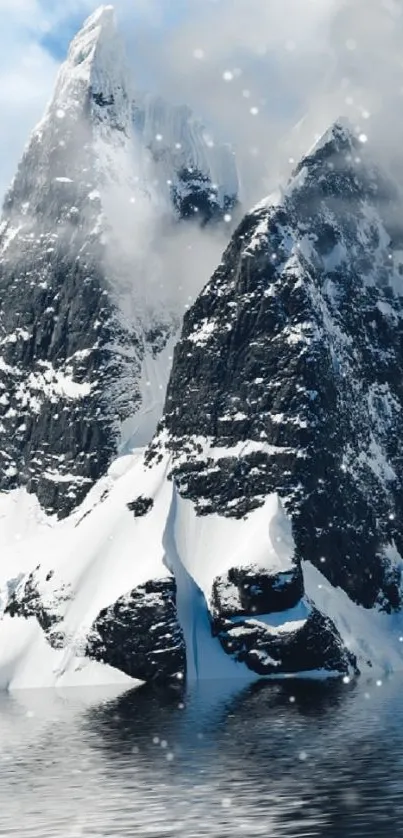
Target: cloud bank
column 267, row 75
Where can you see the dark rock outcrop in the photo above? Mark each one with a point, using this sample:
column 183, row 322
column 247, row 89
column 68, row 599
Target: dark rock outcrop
column 140, row 635
column 249, row 590
column 313, row 646
column 26, row 601
column 140, row 506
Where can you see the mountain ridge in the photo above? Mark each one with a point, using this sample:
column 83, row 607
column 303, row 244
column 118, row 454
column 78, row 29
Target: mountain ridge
column 257, row 532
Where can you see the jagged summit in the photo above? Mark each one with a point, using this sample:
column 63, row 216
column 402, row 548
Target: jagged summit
column 337, row 151
column 341, row 135
column 340, row 149
column 97, row 31
column 102, row 23
column 340, row 166
column 104, row 15
column 96, row 68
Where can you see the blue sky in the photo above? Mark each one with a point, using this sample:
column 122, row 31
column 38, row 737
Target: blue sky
column 57, row 39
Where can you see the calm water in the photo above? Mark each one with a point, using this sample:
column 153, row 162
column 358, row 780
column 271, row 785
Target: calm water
column 292, row 760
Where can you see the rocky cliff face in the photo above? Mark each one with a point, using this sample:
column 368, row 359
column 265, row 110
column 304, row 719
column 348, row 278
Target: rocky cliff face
column 85, row 311
column 287, row 377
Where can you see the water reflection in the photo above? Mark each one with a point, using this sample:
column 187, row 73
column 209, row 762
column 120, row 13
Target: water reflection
column 288, row 759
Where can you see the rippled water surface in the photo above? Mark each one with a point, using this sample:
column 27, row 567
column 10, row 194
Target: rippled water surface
column 303, row 759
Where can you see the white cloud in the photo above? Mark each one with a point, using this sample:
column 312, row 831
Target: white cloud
column 27, row 75
column 295, row 66
column 302, row 62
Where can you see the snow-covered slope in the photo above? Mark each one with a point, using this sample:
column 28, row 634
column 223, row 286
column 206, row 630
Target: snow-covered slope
column 123, row 582
column 89, row 304
column 103, row 553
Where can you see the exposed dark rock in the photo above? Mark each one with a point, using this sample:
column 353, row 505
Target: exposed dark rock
column 140, row 506
column 140, row 634
column 249, row 590
column 315, row 645
column 103, row 101
column 194, row 198
column 26, row 601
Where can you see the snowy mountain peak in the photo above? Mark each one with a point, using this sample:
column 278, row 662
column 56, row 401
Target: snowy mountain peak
column 103, row 16
column 338, row 137
column 342, row 163
column 100, row 25
column 98, row 31
column 96, row 65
